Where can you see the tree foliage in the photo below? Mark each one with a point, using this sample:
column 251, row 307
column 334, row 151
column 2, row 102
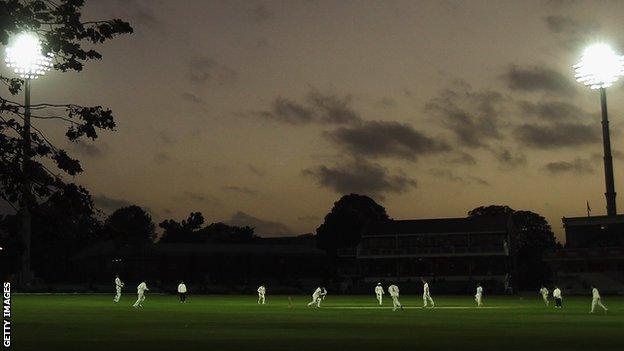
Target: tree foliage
column 62, row 225
column 131, row 224
column 190, row 230
column 71, row 39
column 350, row 215
column 532, row 237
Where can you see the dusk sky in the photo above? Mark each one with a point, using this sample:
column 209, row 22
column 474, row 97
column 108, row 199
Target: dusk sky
column 266, row 112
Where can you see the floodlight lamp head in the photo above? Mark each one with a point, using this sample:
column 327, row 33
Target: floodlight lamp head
column 24, row 56
column 599, row 67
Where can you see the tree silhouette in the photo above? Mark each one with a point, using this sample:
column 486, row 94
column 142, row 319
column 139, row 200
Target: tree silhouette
column 131, row 224
column 31, row 165
column 344, row 224
column 532, row 237
column 181, row 232
column 190, row 231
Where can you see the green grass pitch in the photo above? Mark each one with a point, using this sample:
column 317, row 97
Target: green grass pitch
column 94, row 322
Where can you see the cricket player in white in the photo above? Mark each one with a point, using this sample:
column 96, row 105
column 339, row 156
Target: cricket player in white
column 426, row 295
column 544, row 292
column 479, row 296
column 379, row 291
column 557, row 297
column 261, row 292
column 118, row 285
column 182, row 292
column 393, row 290
column 141, row 295
column 596, row 300
column 316, row 298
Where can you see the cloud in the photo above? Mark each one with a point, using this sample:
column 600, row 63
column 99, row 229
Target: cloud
column 539, row 79
column 317, row 108
column 552, row 110
column 386, row 103
column 473, row 117
column 259, row 12
column 557, row 135
column 204, row 70
column 165, row 137
column 449, row 175
column 386, row 139
column 577, row 166
column 253, row 169
column 108, row 204
column 192, row 98
column 162, row 157
column 461, row 158
column 333, row 109
column 199, row 198
column 239, row 189
column 141, row 12
column 262, row 227
column 88, row 149
column 289, row 112
column 572, row 33
column 361, row 177
column 508, row 159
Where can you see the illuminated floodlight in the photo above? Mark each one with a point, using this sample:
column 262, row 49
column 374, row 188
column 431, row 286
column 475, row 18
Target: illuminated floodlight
column 599, row 67
column 24, row 56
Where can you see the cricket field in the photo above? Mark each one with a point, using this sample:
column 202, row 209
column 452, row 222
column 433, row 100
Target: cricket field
column 235, row 322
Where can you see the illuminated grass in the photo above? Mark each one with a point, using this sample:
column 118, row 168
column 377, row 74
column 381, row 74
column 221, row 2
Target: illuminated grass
column 93, row 322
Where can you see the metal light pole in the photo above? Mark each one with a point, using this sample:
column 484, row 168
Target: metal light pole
column 26, row 191
column 599, row 68
column 24, row 56
column 608, row 160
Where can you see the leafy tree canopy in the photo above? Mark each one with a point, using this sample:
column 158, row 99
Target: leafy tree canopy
column 64, row 33
column 349, row 216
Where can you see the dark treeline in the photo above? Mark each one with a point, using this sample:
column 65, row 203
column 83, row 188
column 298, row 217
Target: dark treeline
column 68, row 222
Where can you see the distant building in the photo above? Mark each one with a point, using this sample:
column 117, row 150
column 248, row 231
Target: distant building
column 593, row 255
column 454, row 252
column 287, row 261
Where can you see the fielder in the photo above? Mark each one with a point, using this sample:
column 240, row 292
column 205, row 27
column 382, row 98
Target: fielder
column 261, row 292
column 479, row 296
column 544, row 292
column 316, row 297
column 596, row 300
column 557, row 297
column 140, row 295
column 426, row 296
column 182, row 292
column 118, row 285
column 393, row 290
column 379, row 292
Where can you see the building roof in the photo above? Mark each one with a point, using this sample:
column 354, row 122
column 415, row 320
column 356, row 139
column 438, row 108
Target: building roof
column 494, row 224
column 593, row 220
column 258, row 247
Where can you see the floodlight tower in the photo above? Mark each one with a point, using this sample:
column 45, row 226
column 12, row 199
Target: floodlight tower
column 24, row 56
column 599, row 68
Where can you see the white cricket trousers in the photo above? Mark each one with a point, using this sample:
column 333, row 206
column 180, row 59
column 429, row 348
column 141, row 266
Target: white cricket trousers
column 597, row 302
column 479, row 300
column 427, row 298
column 140, row 299
column 380, row 298
column 315, row 300
column 395, row 303
column 117, row 294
